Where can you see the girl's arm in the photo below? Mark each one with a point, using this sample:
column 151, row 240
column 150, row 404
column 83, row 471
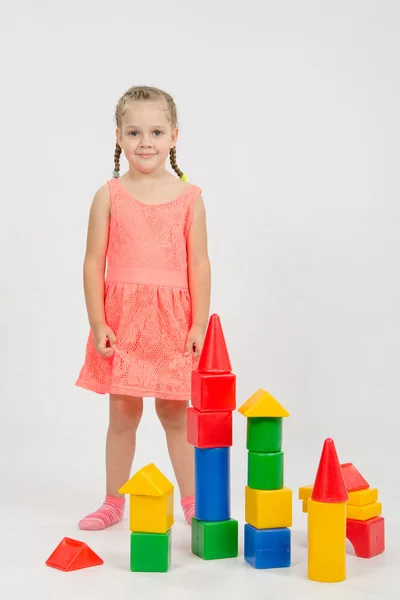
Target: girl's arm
column 199, row 271
column 94, row 269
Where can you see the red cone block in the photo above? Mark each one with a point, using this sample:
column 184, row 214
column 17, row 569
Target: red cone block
column 329, row 483
column 71, row 555
column 353, row 479
column 214, row 356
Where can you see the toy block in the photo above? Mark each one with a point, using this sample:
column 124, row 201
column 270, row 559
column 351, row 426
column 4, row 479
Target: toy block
column 267, row 548
column 265, row 470
column 209, row 429
column 214, row 356
column 305, row 492
column 326, row 541
column 305, row 506
column 262, row 404
column 71, row 555
column 364, row 513
column 329, row 483
column 150, row 552
column 212, row 540
column 264, row 434
column 367, row 537
column 268, row 509
column 212, row 484
column 353, row 479
column 151, row 501
column 363, row 497
column 213, row 392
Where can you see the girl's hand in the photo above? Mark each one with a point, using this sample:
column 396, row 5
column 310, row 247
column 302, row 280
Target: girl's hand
column 104, row 340
column 195, row 341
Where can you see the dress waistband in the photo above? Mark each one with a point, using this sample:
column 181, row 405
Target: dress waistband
column 140, row 275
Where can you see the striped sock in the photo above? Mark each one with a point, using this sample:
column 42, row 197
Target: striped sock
column 110, row 513
column 188, row 508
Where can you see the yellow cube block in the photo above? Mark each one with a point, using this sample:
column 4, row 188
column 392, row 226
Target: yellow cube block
column 363, row 513
column 268, row 509
column 305, row 492
column 363, row 497
column 305, row 506
column 151, row 514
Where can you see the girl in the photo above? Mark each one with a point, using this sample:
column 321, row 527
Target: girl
column 148, row 315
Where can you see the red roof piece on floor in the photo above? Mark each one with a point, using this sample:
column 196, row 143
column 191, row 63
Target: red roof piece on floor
column 214, row 357
column 329, row 483
column 71, row 555
column 353, row 479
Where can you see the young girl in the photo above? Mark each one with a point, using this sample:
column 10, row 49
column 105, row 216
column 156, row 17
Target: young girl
column 149, row 312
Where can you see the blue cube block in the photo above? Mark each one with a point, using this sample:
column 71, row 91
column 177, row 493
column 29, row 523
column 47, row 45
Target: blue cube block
column 267, row 548
column 212, row 481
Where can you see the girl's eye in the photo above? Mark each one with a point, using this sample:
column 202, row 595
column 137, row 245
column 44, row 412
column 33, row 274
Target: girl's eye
column 158, row 132
column 132, row 133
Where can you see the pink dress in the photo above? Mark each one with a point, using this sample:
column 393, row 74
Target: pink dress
column 147, row 300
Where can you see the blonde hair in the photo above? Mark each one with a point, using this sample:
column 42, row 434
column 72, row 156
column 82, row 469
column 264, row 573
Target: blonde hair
column 141, row 93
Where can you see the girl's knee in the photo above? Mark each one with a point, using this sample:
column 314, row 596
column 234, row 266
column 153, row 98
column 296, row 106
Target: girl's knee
column 172, row 413
column 125, row 412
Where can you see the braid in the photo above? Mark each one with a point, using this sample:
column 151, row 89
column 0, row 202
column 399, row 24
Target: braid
column 172, row 158
column 117, row 155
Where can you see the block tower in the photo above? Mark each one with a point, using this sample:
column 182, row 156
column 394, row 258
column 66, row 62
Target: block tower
column 151, row 519
column 268, row 504
column 209, row 430
column 327, row 520
column 365, row 526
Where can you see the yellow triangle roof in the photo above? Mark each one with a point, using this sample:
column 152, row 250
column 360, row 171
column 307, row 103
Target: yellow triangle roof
column 262, row 404
column 148, row 481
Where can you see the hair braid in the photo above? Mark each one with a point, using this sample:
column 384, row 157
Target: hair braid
column 140, row 93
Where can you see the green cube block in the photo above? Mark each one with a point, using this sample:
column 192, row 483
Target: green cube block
column 150, row 552
column 215, row 539
column 264, row 434
column 265, row 470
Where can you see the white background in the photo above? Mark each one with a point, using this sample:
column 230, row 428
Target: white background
column 289, row 115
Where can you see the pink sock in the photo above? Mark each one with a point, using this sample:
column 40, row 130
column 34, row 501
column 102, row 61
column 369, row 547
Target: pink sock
column 110, row 513
column 188, row 508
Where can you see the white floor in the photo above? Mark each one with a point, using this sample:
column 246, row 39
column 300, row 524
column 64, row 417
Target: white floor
column 33, row 528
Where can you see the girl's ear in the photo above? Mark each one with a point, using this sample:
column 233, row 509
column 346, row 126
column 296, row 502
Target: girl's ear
column 174, row 137
column 119, row 136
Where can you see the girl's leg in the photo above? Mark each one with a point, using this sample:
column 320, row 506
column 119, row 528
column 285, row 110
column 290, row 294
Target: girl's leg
column 125, row 415
column 172, row 415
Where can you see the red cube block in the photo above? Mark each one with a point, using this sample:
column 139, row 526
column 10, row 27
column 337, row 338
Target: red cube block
column 213, row 392
column 209, row 429
column 367, row 537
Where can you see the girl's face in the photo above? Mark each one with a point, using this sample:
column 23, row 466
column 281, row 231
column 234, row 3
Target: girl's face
column 146, row 136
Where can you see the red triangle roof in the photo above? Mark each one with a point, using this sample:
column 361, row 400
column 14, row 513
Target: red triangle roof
column 353, row 479
column 71, row 555
column 329, row 483
column 214, row 356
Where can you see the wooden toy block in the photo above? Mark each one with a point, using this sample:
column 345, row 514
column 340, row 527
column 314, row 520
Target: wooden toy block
column 264, row 434
column 213, row 540
column 213, row 392
column 209, row 429
column 363, row 497
column 353, row 479
column 262, row 404
column 305, row 492
column 326, row 541
column 364, row 513
column 150, row 552
column 265, row 470
column 151, row 501
column 267, row 548
column 212, row 484
column 367, row 537
column 71, row 555
column 305, row 506
column 268, row 509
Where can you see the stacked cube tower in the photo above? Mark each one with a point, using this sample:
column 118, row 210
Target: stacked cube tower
column 151, row 519
column 209, row 430
column 268, row 504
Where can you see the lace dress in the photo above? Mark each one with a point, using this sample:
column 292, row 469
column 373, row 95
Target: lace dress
column 147, row 300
